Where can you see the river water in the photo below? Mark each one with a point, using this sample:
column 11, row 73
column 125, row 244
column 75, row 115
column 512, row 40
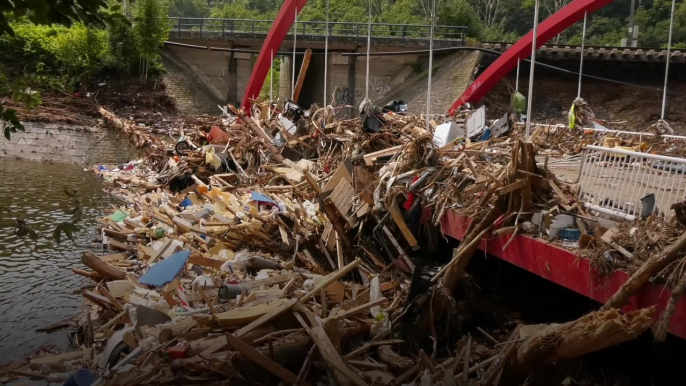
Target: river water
column 36, row 282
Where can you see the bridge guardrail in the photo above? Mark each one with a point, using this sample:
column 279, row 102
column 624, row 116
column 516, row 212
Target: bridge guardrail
column 619, row 181
column 314, row 30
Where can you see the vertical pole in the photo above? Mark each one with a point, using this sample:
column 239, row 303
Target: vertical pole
column 632, row 13
column 295, row 37
column 326, row 51
column 669, row 53
column 271, row 79
column 531, row 73
column 517, row 79
column 431, row 67
column 369, row 44
column 581, row 63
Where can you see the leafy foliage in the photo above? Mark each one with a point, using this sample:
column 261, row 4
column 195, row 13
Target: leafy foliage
column 189, row 8
column 97, row 13
column 264, row 93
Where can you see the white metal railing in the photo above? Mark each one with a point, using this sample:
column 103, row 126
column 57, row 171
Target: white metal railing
column 620, row 182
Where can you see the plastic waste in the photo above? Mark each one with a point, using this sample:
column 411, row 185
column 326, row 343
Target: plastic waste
column 230, row 291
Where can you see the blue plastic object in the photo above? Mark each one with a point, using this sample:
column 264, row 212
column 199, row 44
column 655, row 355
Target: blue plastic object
column 80, row 377
column 571, row 234
column 186, row 203
column 259, row 197
column 487, row 135
column 166, row 270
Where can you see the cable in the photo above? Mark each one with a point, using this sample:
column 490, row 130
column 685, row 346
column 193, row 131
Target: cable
column 431, row 68
column 669, row 50
column 517, row 78
column 369, row 44
column 581, row 62
column 326, row 51
column 531, row 73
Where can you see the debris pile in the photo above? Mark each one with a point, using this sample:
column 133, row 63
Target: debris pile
column 296, row 247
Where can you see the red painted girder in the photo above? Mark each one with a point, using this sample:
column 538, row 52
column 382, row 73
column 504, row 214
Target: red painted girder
column 569, row 270
column 282, row 24
column 549, row 28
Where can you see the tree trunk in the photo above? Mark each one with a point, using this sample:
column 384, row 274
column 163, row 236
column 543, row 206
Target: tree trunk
column 592, row 332
column 651, row 267
column 102, row 268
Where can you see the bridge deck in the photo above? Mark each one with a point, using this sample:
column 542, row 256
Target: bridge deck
column 569, row 270
column 569, row 52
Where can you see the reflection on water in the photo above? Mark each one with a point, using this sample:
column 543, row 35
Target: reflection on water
column 36, row 282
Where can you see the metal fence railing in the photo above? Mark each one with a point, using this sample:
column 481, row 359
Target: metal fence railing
column 313, row 30
column 630, row 184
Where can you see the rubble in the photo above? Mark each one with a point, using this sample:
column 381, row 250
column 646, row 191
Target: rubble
column 266, row 250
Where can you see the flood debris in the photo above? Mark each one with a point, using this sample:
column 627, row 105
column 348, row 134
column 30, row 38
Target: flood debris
column 297, row 248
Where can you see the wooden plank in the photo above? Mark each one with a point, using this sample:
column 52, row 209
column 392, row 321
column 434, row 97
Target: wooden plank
column 277, row 310
column 397, row 217
column 397, row 246
column 332, row 357
column 59, row 359
column 339, row 253
column 276, row 279
column 366, row 365
column 559, row 192
column 114, row 257
column 358, row 309
column 328, row 280
column 344, row 172
column 250, row 314
column 312, row 182
column 198, row 259
column 301, row 75
column 512, row 187
column 262, row 361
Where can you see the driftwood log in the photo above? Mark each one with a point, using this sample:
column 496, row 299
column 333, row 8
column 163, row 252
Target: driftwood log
column 593, row 332
column 651, row 267
column 143, row 141
column 102, row 268
column 396, row 362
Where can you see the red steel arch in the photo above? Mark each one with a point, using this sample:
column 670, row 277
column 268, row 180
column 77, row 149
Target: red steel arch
column 549, row 28
column 283, row 22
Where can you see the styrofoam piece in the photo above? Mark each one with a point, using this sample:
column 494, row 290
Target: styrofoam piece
column 446, row 133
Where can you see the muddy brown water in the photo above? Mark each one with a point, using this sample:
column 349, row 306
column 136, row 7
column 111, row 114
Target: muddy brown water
column 36, row 282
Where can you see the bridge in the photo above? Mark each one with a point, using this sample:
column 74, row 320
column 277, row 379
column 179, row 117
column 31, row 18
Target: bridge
column 221, row 53
column 605, row 53
column 253, row 32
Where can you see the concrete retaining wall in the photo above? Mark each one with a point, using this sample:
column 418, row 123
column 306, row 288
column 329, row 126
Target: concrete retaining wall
column 46, row 142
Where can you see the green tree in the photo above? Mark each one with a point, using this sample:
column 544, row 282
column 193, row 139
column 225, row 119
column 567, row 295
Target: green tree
column 459, row 12
column 189, row 8
column 151, row 29
column 47, row 12
column 81, row 52
column 653, row 24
